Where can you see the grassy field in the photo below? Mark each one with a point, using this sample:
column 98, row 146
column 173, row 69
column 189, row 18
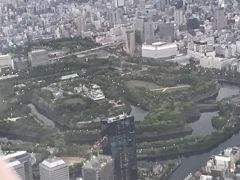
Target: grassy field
column 142, row 84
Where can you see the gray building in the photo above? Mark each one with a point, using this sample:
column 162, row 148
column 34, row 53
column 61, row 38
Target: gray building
column 130, row 42
column 139, row 26
column 220, row 19
column 120, row 143
column 163, row 4
column 38, row 57
column 165, row 31
column 81, row 25
column 99, row 168
column 21, row 162
column 148, row 32
column 179, row 14
column 54, row 169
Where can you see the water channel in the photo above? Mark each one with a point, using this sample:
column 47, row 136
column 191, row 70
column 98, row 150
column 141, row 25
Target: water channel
column 201, row 127
column 204, row 125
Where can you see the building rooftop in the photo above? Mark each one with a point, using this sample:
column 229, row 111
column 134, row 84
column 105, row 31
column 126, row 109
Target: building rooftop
column 222, row 158
column 12, row 164
column 159, row 43
column 117, row 118
column 14, row 155
column 70, row 76
column 5, row 56
column 54, row 162
column 159, row 46
column 38, row 50
column 98, row 162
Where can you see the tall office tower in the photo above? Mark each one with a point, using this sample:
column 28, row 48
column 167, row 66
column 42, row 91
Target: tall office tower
column 99, row 168
column 21, row 162
column 142, row 5
column 163, row 4
column 38, row 57
column 18, row 168
column 81, row 25
column 220, row 19
column 117, row 16
column 179, row 14
column 118, row 3
column 148, row 32
column 221, row 3
column 139, row 26
column 165, row 31
column 130, row 42
column 119, row 135
column 54, row 169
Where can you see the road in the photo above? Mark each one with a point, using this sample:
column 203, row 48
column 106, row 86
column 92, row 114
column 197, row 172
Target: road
column 87, row 51
column 171, row 88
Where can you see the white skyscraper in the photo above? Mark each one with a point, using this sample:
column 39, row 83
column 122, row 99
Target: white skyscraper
column 21, row 162
column 221, row 3
column 18, row 168
column 54, row 169
column 99, row 168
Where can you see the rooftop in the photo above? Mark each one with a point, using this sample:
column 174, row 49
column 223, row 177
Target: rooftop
column 159, row 46
column 54, row 162
column 14, row 155
column 117, row 118
column 12, row 164
column 159, row 43
column 5, row 56
column 70, row 76
column 38, row 50
column 98, row 162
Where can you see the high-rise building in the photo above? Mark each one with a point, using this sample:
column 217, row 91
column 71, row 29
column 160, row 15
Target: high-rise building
column 38, row 57
column 81, row 25
column 118, row 3
column 54, row 169
column 142, row 5
column 18, row 168
column 221, row 3
column 148, row 32
column 179, row 14
column 99, row 168
column 119, row 135
column 165, row 31
column 130, row 41
column 139, row 26
column 163, row 4
column 117, row 16
column 220, row 19
column 21, row 162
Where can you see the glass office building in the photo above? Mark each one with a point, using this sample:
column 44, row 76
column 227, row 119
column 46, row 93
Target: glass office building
column 119, row 135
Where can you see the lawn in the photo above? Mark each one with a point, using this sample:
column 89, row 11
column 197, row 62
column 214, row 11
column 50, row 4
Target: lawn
column 142, row 84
